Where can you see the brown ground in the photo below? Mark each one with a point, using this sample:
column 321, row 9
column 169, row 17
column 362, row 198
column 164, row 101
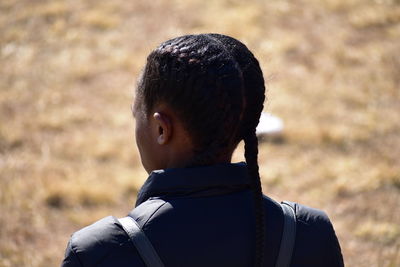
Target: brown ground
column 67, row 153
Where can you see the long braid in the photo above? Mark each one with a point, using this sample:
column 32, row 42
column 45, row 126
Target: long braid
column 254, row 106
column 254, row 103
column 251, row 153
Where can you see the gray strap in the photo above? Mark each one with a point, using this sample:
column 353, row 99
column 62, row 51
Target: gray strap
column 288, row 236
column 141, row 242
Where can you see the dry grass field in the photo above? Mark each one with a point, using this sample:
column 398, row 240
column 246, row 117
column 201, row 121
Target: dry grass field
column 67, row 150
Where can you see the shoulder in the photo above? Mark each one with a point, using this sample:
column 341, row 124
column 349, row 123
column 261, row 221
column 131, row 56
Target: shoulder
column 313, row 222
column 99, row 238
column 105, row 240
column 315, row 235
column 89, row 237
column 101, row 243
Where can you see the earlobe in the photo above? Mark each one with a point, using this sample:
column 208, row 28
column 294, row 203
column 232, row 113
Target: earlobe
column 160, row 139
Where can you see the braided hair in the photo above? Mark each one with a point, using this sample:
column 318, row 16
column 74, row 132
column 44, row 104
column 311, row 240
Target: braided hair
column 216, row 87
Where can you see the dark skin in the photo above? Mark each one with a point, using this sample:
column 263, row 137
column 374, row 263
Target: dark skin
column 162, row 140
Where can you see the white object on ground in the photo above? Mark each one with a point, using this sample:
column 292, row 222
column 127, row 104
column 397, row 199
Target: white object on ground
column 269, row 125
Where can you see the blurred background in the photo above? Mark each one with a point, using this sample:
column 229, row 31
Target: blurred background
column 67, row 151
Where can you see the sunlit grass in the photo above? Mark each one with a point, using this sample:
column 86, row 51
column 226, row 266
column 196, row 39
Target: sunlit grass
column 67, row 151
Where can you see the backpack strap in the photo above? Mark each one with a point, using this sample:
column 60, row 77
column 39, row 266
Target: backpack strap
column 288, row 235
column 141, row 242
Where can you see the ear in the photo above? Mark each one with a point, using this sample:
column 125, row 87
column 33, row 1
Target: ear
column 163, row 122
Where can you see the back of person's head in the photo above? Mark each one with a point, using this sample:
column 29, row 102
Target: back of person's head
column 216, row 87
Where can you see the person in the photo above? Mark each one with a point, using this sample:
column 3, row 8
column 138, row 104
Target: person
column 197, row 98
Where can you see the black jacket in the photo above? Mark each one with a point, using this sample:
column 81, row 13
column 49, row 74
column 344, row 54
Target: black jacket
column 203, row 217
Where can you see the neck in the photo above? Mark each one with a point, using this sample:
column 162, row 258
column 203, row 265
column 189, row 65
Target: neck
column 203, row 159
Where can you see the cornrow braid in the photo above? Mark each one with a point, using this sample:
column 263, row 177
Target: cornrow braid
column 254, row 103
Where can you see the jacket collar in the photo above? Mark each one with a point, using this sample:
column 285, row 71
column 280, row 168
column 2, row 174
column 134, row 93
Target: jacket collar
column 197, row 181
